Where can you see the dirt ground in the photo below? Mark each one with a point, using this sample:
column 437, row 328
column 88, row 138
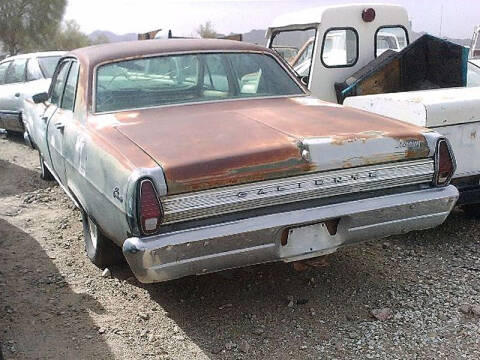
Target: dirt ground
column 412, row 296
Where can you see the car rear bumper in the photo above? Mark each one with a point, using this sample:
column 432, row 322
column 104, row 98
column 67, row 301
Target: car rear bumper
column 286, row 236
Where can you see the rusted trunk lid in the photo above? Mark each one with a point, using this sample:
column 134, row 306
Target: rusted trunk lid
column 205, row 146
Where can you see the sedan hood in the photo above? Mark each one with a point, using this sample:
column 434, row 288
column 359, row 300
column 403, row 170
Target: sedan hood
column 210, row 145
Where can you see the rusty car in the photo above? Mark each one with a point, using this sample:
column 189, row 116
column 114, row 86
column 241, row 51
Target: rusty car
column 195, row 156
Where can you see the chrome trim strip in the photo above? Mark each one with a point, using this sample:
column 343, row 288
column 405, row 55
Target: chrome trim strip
column 298, row 188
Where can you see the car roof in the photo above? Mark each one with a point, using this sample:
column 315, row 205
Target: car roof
column 35, row 55
column 131, row 49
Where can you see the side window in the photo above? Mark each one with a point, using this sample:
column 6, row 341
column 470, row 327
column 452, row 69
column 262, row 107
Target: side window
column 68, row 100
column 390, row 38
column 58, row 83
column 3, row 71
column 33, row 70
column 340, row 48
column 16, row 71
column 248, row 73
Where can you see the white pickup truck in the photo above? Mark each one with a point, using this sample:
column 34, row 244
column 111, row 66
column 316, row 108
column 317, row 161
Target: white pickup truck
column 453, row 112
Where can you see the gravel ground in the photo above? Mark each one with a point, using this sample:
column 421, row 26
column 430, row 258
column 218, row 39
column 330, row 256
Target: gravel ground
column 411, row 296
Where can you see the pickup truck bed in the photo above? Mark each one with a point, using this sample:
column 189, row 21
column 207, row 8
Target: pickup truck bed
column 451, row 112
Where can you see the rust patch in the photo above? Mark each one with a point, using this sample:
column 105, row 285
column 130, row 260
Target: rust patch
column 203, row 146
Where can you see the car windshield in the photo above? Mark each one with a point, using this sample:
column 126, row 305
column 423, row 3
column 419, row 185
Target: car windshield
column 48, row 64
column 175, row 79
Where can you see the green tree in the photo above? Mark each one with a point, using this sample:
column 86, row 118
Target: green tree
column 69, row 37
column 207, row 30
column 26, row 23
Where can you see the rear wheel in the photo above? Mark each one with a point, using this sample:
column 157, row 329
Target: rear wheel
column 100, row 250
column 45, row 174
column 472, row 210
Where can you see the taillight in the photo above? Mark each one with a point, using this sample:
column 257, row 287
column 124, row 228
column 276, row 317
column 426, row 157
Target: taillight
column 444, row 163
column 150, row 212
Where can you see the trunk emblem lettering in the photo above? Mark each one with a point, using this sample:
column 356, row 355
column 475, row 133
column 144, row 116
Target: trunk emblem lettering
column 116, row 194
column 300, row 186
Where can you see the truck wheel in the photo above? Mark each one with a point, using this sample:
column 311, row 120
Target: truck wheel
column 472, row 210
column 45, row 173
column 100, row 250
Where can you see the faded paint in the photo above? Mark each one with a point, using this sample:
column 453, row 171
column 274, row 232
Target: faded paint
column 224, row 143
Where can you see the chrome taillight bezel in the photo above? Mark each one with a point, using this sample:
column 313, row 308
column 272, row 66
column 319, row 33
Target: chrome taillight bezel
column 141, row 228
column 439, row 143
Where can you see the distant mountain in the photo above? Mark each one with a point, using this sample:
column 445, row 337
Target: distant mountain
column 112, row 37
column 255, row 37
column 463, row 42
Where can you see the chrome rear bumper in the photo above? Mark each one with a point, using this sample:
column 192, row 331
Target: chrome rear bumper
column 258, row 239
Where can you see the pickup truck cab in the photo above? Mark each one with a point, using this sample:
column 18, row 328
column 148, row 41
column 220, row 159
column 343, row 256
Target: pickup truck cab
column 367, row 31
column 194, row 156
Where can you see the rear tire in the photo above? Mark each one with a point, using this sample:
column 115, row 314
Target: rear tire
column 100, row 250
column 472, row 210
column 45, row 174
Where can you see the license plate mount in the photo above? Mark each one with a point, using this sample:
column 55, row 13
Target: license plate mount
column 308, row 241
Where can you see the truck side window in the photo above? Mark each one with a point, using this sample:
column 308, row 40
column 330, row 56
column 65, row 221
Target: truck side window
column 58, row 83
column 68, row 100
column 340, row 47
column 390, row 38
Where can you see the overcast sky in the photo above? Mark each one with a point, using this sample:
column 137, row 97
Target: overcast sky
column 240, row 16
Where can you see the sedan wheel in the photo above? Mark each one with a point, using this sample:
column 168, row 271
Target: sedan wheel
column 45, row 173
column 100, row 250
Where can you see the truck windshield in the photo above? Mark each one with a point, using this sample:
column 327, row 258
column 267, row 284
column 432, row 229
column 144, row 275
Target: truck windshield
column 296, row 47
column 175, row 79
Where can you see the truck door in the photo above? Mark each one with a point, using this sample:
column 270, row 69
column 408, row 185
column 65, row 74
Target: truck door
column 55, row 119
column 10, row 93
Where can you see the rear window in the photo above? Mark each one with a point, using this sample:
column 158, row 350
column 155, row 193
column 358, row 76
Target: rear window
column 176, row 79
column 48, row 64
column 390, row 38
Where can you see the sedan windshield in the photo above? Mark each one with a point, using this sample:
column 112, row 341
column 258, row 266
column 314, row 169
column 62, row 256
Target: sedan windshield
column 48, row 64
column 175, row 79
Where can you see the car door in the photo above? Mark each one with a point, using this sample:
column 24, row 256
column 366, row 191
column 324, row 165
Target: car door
column 55, row 119
column 32, row 113
column 10, row 95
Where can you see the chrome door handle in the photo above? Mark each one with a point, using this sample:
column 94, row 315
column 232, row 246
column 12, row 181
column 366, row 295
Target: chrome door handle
column 60, row 126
